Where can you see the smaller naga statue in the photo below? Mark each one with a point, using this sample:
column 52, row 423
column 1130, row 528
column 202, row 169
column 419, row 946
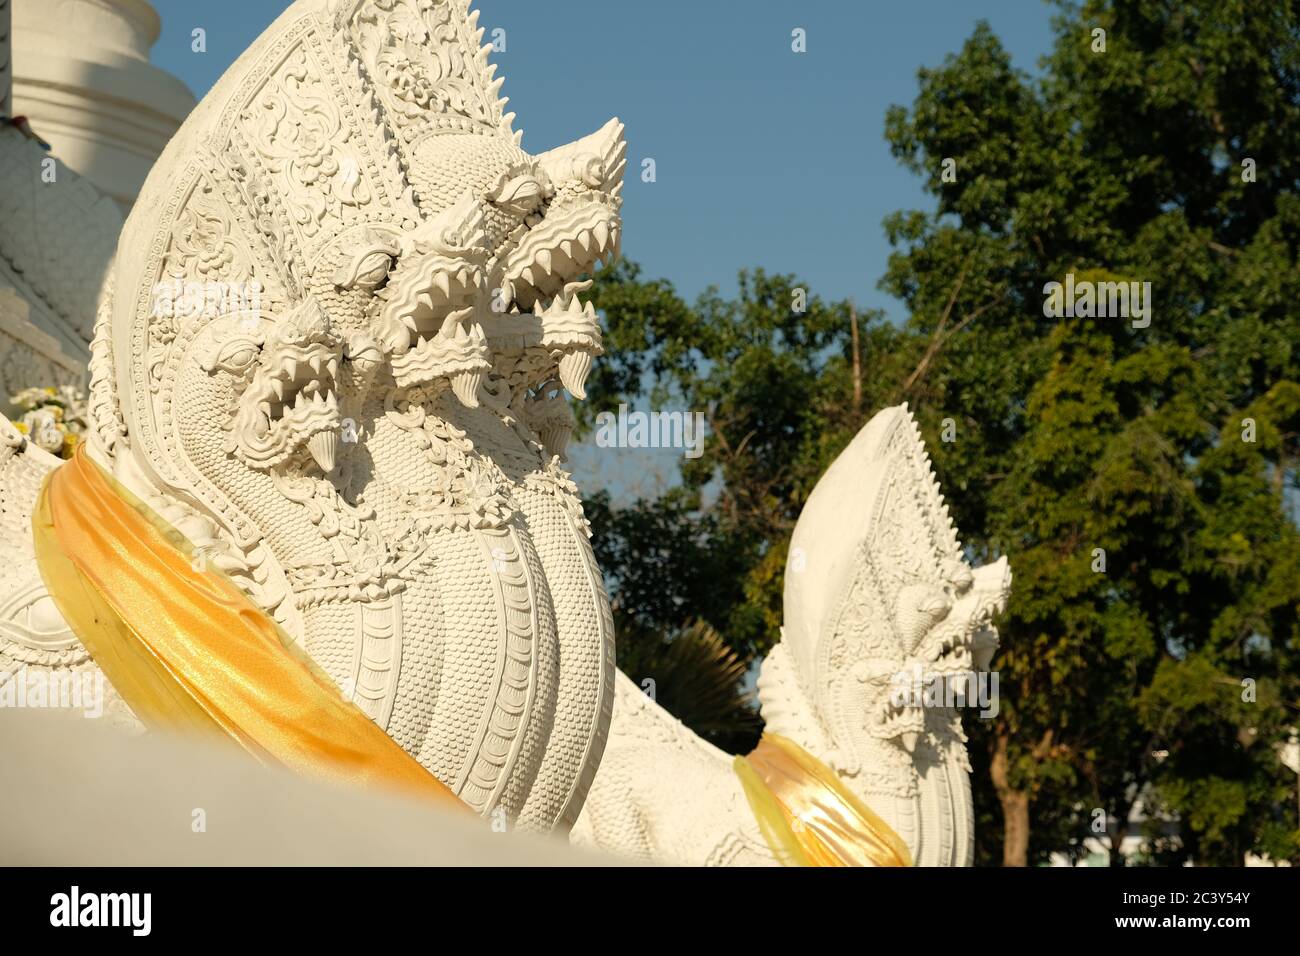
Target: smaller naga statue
column 856, row 766
column 320, row 511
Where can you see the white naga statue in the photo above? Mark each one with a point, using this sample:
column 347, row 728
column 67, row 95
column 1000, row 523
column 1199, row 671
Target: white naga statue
column 333, row 354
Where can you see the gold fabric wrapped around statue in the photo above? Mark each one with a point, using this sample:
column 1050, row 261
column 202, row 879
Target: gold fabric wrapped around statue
column 188, row 650
column 807, row 816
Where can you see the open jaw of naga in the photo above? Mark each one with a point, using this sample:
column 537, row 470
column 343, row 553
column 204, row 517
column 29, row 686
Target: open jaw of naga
column 346, row 504
column 483, row 300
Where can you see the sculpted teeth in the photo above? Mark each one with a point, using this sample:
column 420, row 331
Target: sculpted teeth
column 555, row 438
column 568, row 303
column 466, row 385
column 445, row 289
column 574, row 368
column 571, row 255
column 324, row 446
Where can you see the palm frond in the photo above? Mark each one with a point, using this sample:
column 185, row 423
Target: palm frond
column 698, row 679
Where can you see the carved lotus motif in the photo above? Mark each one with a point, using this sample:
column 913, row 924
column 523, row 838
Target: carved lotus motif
column 208, row 242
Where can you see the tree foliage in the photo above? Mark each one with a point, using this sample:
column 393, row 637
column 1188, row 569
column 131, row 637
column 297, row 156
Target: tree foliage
column 1142, row 480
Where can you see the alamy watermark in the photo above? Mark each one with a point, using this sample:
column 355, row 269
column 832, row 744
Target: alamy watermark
column 637, row 429
column 133, row 911
column 1103, row 300
column 917, row 688
column 38, row 688
column 175, row 298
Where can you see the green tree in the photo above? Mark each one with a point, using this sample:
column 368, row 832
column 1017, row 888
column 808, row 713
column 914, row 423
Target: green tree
column 1142, row 479
column 1089, row 434
column 773, row 372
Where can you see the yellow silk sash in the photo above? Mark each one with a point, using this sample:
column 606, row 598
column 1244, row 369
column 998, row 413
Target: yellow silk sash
column 807, row 816
column 188, row 650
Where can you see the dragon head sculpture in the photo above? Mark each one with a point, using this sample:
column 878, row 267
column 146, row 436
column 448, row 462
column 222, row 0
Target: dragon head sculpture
column 286, row 398
column 374, row 434
column 886, row 628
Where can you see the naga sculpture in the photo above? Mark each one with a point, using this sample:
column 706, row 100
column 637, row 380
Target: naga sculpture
column 876, row 592
column 332, row 354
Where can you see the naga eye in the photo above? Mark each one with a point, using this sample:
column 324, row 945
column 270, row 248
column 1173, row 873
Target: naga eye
column 520, row 195
column 373, row 270
column 237, row 356
column 367, row 270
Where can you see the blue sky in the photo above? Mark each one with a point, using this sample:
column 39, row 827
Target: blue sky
column 763, row 157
